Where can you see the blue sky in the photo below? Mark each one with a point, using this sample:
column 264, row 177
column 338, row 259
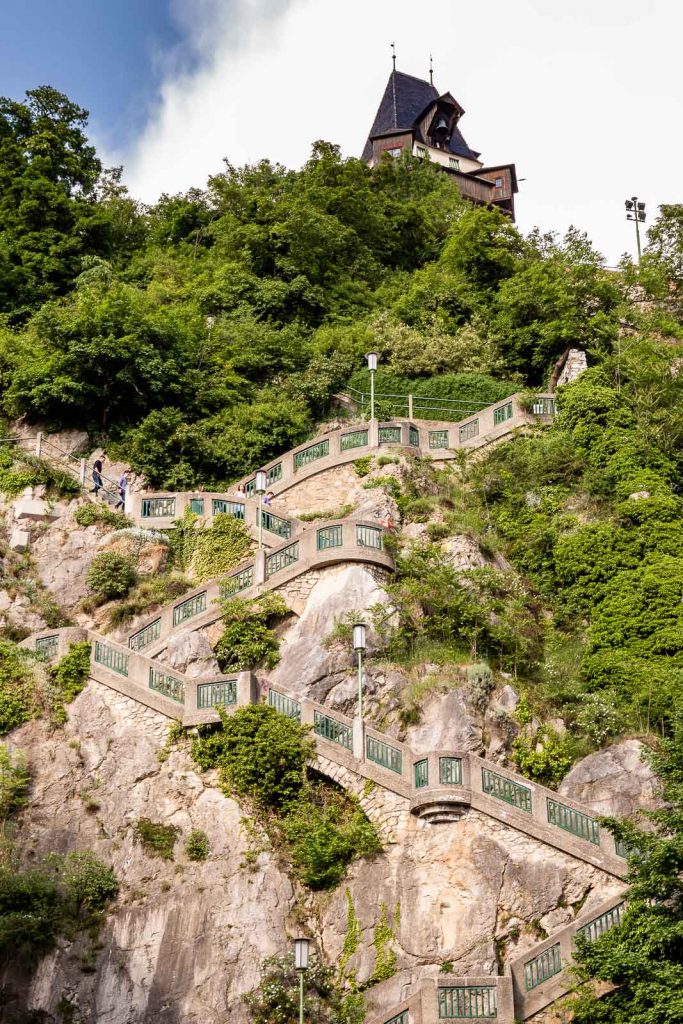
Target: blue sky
column 107, row 55
column 584, row 97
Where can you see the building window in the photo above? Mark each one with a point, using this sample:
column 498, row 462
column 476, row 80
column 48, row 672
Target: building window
column 421, row 152
column 454, row 163
column 395, row 152
column 499, row 182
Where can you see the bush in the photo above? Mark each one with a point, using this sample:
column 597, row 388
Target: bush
column 88, row 882
column 18, row 686
column 547, row 765
column 277, row 997
column 326, row 829
column 147, row 595
column 220, row 548
column 30, row 913
column 110, row 575
column 197, row 845
column 157, row 840
column 91, row 514
column 72, row 672
column 14, row 782
column 259, row 753
column 363, row 465
column 248, row 638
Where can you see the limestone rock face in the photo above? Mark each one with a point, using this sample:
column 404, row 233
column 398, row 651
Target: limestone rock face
column 16, row 611
column 186, row 939
column 463, row 553
column 305, row 662
column 62, row 555
column 192, row 654
column 615, row 781
column 446, row 723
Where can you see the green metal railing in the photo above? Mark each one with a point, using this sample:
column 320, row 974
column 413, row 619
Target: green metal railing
column 47, row 646
column 157, row 508
column 167, row 685
column 250, row 488
column 544, row 407
column 282, row 558
column 450, row 771
column 469, row 1002
column 240, row 581
column 400, row 405
column 578, row 824
column 116, row 661
column 599, row 925
column 280, row 527
column 197, row 506
column 355, row 439
column 315, row 451
column 468, row 430
column 188, row 609
column 413, row 436
column 502, row 413
column 438, row 439
column 421, row 770
column 212, row 695
column 273, row 474
column 285, row 705
column 545, row 965
column 383, row 754
column 402, row 1018
column 145, row 636
column 368, row 537
column 506, row 790
column 389, row 435
column 329, row 537
column 228, row 508
column 331, row 729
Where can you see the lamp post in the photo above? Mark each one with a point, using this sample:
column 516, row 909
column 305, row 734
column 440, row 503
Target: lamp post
column 635, row 211
column 301, row 965
column 260, row 489
column 372, row 367
column 359, row 648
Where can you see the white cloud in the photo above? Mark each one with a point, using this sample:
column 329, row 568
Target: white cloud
column 584, row 98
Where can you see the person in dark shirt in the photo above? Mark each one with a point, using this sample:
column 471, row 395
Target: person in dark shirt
column 97, row 474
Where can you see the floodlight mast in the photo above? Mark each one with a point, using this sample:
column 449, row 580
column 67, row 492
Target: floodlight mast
column 635, row 211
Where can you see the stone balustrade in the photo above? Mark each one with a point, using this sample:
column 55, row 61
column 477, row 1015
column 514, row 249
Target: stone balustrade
column 479, row 997
column 337, row 542
column 433, row 439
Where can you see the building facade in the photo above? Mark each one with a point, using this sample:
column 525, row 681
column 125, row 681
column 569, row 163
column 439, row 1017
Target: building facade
column 414, row 117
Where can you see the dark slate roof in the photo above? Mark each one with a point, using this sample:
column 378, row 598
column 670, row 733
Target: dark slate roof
column 405, row 99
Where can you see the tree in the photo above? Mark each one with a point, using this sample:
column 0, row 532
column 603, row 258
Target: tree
column 643, row 957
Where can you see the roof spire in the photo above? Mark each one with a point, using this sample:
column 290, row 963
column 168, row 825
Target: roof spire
column 431, row 70
column 393, row 54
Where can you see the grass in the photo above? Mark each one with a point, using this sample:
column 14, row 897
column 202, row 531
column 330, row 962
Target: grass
column 149, row 594
column 339, row 513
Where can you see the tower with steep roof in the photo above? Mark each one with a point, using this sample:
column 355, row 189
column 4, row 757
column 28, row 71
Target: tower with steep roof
column 414, row 117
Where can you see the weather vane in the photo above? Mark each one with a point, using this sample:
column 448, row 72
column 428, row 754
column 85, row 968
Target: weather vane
column 431, row 69
column 393, row 54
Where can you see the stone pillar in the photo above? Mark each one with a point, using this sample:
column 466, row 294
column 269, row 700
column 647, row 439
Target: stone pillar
column 373, row 434
column 127, row 502
column 260, row 566
column 410, row 407
column 39, row 443
column 81, row 473
column 359, row 738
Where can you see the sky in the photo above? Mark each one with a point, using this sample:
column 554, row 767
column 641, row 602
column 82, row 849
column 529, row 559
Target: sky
column 585, row 97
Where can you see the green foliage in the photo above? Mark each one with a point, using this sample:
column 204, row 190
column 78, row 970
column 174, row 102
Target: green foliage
column 18, row 470
column 197, row 845
column 110, row 575
column 642, row 957
column 148, row 594
column 19, row 695
column 326, row 830
column 92, row 514
column 14, row 782
column 259, row 754
column 70, row 676
column 385, row 956
column 276, row 1000
column 219, row 548
column 63, row 896
column 545, row 757
column 363, row 465
column 158, row 840
column 337, row 513
column 249, row 639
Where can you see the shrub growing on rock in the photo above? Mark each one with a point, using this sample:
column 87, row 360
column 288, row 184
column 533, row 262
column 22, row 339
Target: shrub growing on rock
column 220, row 548
column 197, row 845
column 248, row 638
column 110, row 575
column 158, row 840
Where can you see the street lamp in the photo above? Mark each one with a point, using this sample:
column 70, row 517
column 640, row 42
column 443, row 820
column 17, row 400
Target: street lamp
column 301, row 965
column 359, row 648
column 260, row 488
column 372, row 367
column 635, row 211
